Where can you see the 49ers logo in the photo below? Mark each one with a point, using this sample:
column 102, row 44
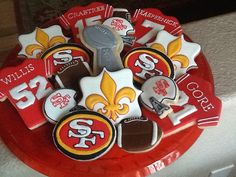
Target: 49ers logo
column 59, row 100
column 63, row 56
column 146, row 63
column 161, row 87
column 84, row 135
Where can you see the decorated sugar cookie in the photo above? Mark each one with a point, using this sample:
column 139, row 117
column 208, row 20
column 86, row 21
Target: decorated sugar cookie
column 123, row 13
column 26, row 85
column 159, row 93
column 79, row 17
column 58, row 104
column 36, row 43
column 148, row 22
column 70, row 76
column 137, row 135
column 181, row 52
column 203, row 108
column 123, row 27
column 106, row 45
column 65, row 55
column 84, row 135
column 111, row 94
column 146, row 63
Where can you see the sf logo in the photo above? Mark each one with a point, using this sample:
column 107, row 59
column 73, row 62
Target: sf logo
column 84, row 133
column 161, row 87
column 65, row 56
column 147, row 64
column 59, row 100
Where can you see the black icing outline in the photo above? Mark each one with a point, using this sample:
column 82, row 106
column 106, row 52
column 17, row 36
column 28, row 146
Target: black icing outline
column 165, row 57
column 84, row 157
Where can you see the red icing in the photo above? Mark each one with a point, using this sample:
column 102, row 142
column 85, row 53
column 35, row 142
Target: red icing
column 79, row 17
column 201, row 95
column 61, row 56
column 145, row 62
column 149, row 21
column 21, row 84
column 42, row 155
column 96, row 126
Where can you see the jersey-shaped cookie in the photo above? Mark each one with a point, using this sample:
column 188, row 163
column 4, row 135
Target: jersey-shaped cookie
column 84, row 135
column 181, row 52
column 111, row 94
column 159, row 93
column 137, row 135
column 79, row 17
column 202, row 109
column 41, row 39
column 25, row 86
column 106, row 45
column 58, row 104
column 148, row 22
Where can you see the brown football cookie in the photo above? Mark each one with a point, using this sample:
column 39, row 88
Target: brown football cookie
column 69, row 77
column 137, row 135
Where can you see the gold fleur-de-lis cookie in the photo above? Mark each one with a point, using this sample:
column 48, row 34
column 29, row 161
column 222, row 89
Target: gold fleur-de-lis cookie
column 181, row 52
column 34, row 44
column 111, row 94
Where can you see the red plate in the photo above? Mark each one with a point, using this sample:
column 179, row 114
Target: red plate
column 37, row 150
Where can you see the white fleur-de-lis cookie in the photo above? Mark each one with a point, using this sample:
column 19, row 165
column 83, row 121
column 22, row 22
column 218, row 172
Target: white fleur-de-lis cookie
column 111, row 94
column 181, row 52
column 34, row 44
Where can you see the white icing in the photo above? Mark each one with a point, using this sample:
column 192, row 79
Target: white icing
column 126, row 27
column 154, row 133
column 123, row 78
column 148, row 91
column 189, row 49
column 59, row 81
column 119, row 135
column 183, row 99
column 30, row 38
column 59, row 103
column 178, row 116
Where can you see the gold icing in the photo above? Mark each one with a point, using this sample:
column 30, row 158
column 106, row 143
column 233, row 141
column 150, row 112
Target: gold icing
column 111, row 106
column 44, row 42
column 173, row 49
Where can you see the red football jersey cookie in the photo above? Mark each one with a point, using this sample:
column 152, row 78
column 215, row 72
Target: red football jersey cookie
column 149, row 21
column 81, row 16
column 25, row 86
column 202, row 109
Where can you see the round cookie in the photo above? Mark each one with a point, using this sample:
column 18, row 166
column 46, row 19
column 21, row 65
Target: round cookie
column 59, row 103
column 147, row 62
column 84, row 135
column 63, row 56
column 137, row 135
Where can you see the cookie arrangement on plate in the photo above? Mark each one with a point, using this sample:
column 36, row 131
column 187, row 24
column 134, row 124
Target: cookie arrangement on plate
column 104, row 78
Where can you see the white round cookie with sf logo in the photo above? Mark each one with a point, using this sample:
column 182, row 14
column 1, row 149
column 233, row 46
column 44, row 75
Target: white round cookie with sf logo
column 58, row 104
